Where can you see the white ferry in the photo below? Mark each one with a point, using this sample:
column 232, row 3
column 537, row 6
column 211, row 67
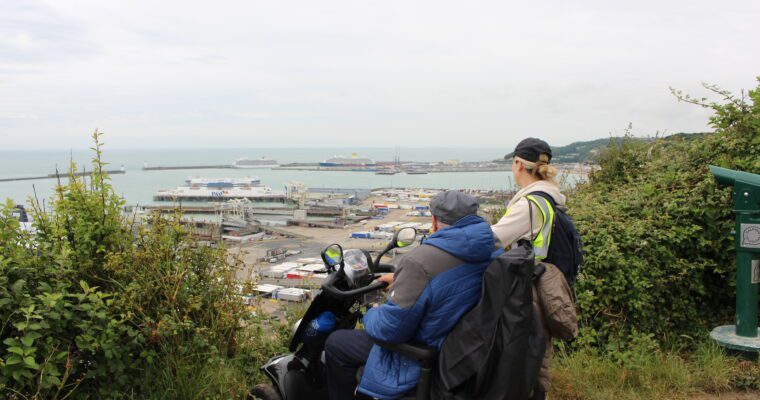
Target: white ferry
column 198, row 189
column 354, row 161
column 262, row 162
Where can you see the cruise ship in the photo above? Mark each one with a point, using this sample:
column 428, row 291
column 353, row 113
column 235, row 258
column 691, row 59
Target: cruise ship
column 354, row 161
column 198, row 189
column 262, row 162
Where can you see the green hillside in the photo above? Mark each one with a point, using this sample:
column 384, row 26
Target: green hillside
column 586, row 151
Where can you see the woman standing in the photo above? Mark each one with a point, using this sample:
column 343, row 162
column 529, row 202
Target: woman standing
column 532, row 172
column 530, row 216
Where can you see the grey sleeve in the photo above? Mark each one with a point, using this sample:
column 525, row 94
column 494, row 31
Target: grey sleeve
column 408, row 283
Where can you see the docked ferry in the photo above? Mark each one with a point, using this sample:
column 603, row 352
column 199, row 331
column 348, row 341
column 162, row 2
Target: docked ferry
column 198, row 189
column 354, row 161
column 262, row 162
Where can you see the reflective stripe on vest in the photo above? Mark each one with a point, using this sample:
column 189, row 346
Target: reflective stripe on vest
column 541, row 241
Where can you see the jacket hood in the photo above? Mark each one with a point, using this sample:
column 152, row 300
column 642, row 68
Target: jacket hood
column 541, row 186
column 469, row 239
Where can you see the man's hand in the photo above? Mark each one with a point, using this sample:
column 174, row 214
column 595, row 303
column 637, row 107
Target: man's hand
column 387, row 278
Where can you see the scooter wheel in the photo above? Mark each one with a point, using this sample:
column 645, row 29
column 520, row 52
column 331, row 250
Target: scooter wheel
column 265, row 392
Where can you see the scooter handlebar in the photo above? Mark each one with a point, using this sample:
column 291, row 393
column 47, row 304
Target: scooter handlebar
column 329, row 286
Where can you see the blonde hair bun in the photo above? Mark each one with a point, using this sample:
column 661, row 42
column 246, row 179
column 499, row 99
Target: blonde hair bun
column 541, row 168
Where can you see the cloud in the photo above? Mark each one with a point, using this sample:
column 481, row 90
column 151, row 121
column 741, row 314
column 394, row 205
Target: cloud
column 370, row 73
column 32, row 33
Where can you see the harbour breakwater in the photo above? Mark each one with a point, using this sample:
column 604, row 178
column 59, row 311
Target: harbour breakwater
column 58, row 175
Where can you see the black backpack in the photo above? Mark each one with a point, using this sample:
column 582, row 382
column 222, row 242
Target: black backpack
column 496, row 350
column 566, row 248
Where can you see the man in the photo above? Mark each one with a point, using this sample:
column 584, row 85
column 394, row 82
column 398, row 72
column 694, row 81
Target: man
column 433, row 286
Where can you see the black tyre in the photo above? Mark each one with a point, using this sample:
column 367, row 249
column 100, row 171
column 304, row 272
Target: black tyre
column 265, row 392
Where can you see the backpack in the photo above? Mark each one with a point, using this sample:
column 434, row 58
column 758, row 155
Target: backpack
column 496, row 350
column 566, row 247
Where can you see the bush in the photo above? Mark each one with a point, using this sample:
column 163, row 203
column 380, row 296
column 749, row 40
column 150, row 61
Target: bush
column 659, row 257
column 91, row 304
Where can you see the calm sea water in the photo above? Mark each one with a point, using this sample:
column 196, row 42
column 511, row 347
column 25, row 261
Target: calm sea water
column 138, row 186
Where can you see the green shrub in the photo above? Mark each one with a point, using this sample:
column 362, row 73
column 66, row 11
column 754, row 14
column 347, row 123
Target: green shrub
column 90, row 304
column 659, row 259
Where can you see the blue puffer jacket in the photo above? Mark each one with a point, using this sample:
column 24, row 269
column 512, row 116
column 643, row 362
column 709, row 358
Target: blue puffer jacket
column 435, row 285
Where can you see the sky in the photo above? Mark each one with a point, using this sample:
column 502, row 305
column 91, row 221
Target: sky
column 226, row 74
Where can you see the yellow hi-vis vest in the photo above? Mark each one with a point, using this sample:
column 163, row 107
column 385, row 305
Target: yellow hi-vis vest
column 541, row 241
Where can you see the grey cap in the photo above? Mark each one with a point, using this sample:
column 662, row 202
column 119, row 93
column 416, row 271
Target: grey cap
column 451, row 206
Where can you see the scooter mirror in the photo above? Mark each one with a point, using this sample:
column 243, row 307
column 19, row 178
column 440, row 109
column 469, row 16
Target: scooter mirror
column 402, row 238
column 405, row 237
column 332, row 255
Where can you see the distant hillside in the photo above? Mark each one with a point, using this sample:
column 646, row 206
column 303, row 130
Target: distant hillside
column 586, row 151
column 581, row 151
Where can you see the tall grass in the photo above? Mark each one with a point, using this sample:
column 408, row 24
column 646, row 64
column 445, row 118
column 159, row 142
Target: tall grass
column 194, row 376
column 650, row 374
column 207, row 376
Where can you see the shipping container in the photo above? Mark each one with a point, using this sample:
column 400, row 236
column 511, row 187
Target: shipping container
column 266, row 289
column 278, row 271
column 291, row 294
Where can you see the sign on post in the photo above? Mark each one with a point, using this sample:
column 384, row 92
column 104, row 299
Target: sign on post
column 750, row 236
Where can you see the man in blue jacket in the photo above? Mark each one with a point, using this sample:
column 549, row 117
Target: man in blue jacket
column 432, row 288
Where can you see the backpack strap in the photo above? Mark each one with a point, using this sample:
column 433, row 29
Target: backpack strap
column 546, row 196
column 551, row 200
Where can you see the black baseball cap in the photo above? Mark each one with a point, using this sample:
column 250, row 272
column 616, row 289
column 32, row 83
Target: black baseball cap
column 452, row 205
column 530, row 149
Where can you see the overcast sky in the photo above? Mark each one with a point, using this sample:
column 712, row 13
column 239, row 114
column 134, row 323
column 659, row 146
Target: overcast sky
column 362, row 73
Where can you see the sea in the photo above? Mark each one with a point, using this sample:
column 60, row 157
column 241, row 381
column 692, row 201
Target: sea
column 138, row 186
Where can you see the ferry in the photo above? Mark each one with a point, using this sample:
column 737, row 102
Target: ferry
column 262, row 162
column 386, row 171
column 354, row 162
column 198, row 189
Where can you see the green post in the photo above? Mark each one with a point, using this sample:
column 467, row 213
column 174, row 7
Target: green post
column 746, row 198
column 746, row 297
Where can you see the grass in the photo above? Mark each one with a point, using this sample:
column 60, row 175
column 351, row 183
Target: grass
column 198, row 377
column 581, row 374
column 651, row 374
column 209, row 376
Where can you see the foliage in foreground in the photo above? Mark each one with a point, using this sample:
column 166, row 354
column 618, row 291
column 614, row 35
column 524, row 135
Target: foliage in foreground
column 93, row 307
column 659, row 258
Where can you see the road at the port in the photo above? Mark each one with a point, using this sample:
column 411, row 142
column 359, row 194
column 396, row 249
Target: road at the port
column 319, row 238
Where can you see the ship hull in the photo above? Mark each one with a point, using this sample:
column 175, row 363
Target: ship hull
column 220, row 198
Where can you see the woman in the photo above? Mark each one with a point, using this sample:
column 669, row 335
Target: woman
column 532, row 172
column 530, row 216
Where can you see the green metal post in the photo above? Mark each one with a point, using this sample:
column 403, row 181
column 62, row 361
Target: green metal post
column 746, row 296
column 746, row 202
column 746, row 197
